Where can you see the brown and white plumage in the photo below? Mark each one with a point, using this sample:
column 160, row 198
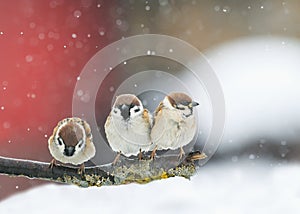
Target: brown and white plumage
column 128, row 126
column 71, row 142
column 174, row 123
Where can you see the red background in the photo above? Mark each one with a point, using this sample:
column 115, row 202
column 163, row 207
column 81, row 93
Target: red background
column 43, row 48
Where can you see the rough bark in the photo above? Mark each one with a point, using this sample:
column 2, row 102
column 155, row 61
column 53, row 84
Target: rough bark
column 124, row 172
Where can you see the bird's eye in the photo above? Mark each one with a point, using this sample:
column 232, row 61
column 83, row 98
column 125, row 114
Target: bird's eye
column 60, row 141
column 115, row 111
column 80, row 143
column 180, row 108
column 136, row 110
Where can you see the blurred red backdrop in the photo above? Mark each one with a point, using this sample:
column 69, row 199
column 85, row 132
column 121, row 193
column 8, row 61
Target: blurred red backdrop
column 43, row 48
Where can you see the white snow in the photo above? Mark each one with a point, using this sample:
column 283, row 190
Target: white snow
column 260, row 79
column 223, row 188
column 77, row 13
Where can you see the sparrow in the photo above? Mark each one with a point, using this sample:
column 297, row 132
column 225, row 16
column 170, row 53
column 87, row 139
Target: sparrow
column 71, row 142
column 128, row 126
column 174, row 123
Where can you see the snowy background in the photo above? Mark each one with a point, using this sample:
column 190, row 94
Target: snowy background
column 227, row 188
column 254, row 48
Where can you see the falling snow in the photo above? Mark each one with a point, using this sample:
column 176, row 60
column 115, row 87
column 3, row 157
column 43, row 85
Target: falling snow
column 74, row 35
column 283, row 143
column 226, row 9
column 79, row 93
column 101, row 32
column 85, row 97
column 163, row 2
column 32, row 25
column 6, row 125
column 251, row 156
column 217, row 8
column 77, row 13
column 41, row 36
column 118, row 22
column 31, row 95
column 29, row 58
column 111, row 88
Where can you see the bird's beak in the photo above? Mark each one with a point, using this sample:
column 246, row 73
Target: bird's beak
column 193, row 104
column 69, row 150
column 125, row 112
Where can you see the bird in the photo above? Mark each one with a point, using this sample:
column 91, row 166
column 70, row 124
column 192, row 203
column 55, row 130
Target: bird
column 174, row 124
column 71, row 143
column 128, row 127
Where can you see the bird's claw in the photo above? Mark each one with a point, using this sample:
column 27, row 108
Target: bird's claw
column 153, row 153
column 140, row 156
column 81, row 169
column 53, row 163
column 116, row 159
column 181, row 154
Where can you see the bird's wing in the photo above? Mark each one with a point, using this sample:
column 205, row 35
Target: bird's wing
column 158, row 109
column 53, row 134
column 107, row 122
column 159, row 127
column 148, row 118
column 87, row 129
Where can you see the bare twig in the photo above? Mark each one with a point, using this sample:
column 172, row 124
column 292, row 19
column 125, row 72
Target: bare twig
column 125, row 171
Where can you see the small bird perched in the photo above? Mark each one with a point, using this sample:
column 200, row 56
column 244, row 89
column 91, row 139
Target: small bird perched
column 174, row 123
column 71, row 142
column 128, row 126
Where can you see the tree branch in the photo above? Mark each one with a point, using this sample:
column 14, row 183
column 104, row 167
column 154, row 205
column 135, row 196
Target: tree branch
column 125, row 171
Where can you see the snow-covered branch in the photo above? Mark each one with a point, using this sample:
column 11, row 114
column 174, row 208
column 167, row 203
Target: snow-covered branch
column 124, row 172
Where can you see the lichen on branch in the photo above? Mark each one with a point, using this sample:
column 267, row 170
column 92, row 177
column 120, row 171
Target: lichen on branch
column 124, row 172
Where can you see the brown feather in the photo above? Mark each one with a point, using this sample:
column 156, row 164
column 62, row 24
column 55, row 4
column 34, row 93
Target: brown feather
column 146, row 116
column 177, row 97
column 159, row 108
column 71, row 134
column 127, row 99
